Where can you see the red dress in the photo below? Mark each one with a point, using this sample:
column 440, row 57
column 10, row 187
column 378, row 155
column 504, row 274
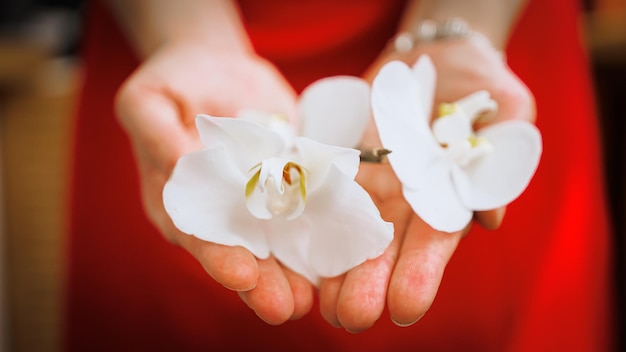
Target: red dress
column 542, row 282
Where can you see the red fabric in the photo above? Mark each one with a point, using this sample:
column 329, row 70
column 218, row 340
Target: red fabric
column 541, row 283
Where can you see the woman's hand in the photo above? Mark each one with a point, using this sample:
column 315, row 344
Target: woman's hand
column 157, row 106
column 407, row 276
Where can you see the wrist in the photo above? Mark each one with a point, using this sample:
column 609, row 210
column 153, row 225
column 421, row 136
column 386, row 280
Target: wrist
column 452, row 35
column 492, row 19
column 151, row 25
column 209, row 45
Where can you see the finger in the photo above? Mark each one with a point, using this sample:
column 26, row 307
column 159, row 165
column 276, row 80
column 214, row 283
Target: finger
column 364, row 291
column 418, row 272
column 233, row 267
column 490, row 219
column 302, row 292
column 515, row 102
column 362, row 296
column 329, row 292
column 272, row 299
column 154, row 125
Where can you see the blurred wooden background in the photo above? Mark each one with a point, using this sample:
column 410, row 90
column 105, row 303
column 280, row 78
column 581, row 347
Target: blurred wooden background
column 36, row 101
column 37, row 97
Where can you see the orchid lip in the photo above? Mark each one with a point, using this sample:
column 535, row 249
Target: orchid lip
column 280, row 185
column 454, row 132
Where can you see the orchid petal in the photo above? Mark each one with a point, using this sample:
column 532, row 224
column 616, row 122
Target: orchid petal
column 317, row 158
column 335, row 110
column 342, row 238
column 205, row 198
column 402, row 123
column 426, row 78
column 501, row 175
column 248, row 142
column 436, row 200
column 349, row 235
column 290, row 241
column 275, row 122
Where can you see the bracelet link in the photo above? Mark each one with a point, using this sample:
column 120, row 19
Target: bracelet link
column 429, row 30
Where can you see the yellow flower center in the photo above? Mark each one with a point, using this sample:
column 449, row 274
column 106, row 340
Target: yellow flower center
column 446, row 109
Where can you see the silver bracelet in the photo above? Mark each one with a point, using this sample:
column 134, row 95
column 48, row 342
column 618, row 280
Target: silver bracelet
column 429, row 30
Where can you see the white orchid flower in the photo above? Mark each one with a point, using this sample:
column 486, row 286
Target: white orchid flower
column 449, row 171
column 261, row 187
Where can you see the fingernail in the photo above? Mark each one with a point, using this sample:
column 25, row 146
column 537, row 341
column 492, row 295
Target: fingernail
column 404, row 325
column 359, row 330
column 240, row 289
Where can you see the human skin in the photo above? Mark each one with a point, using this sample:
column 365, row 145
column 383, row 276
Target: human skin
column 197, row 58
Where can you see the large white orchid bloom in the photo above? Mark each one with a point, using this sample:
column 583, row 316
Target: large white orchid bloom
column 448, row 170
column 257, row 186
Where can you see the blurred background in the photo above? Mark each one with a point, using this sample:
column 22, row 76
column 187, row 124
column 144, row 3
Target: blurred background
column 39, row 78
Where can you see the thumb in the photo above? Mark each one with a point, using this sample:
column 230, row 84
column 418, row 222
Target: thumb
column 152, row 121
